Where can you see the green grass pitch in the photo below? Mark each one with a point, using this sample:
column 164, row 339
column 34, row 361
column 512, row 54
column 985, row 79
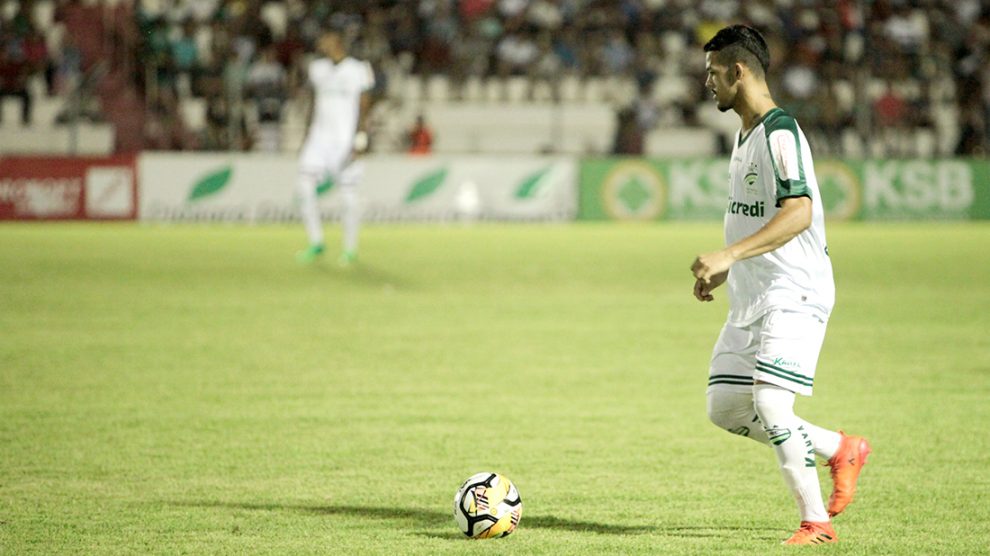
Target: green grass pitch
column 193, row 390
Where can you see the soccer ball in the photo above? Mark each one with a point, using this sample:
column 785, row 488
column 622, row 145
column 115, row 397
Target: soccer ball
column 487, row 506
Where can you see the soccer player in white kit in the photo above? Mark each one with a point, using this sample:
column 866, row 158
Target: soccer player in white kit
column 780, row 288
column 336, row 137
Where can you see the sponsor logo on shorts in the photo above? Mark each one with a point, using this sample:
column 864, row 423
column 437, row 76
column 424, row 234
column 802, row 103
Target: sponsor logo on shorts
column 781, row 362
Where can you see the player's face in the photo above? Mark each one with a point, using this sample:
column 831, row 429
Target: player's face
column 332, row 46
column 721, row 82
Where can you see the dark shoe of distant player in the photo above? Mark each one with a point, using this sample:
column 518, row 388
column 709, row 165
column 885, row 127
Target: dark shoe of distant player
column 813, row 532
column 310, row 254
column 846, row 465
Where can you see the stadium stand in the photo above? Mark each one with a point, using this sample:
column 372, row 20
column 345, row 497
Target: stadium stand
column 883, row 78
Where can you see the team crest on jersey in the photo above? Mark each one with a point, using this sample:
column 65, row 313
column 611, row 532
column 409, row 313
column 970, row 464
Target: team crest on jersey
column 750, row 179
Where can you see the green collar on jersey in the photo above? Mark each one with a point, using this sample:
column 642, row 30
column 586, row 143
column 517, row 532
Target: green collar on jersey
column 742, row 138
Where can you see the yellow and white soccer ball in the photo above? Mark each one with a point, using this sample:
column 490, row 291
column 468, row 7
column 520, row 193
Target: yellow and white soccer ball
column 487, row 506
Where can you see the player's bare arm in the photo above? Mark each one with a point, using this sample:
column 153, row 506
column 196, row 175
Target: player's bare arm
column 309, row 100
column 361, row 136
column 793, row 218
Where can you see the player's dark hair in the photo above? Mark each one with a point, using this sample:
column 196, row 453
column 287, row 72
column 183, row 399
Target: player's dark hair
column 739, row 43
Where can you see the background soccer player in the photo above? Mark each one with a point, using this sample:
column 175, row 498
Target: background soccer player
column 780, row 287
column 337, row 135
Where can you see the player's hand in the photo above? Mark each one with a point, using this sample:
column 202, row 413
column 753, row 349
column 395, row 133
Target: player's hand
column 709, row 265
column 703, row 291
column 360, row 144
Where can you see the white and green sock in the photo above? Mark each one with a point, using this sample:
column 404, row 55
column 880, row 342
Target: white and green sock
column 734, row 412
column 309, row 210
column 351, row 217
column 792, row 442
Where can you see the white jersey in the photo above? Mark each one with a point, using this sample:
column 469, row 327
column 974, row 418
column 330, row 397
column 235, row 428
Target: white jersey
column 773, row 162
column 337, row 90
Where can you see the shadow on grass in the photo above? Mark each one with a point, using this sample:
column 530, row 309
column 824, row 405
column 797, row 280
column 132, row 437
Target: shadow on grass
column 720, row 532
column 361, row 274
column 419, row 517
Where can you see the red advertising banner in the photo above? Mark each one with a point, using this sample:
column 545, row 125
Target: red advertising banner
column 61, row 188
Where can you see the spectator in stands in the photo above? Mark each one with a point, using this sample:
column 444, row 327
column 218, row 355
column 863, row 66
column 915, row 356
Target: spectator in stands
column 565, row 47
column 224, row 130
column 210, row 77
column 20, row 24
column 616, row 54
column 547, row 67
column 83, row 22
column 201, row 11
column 471, row 10
column 628, row 136
column 185, row 56
column 972, row 140
column 420, row 137
column 157, row 55
column 248, row 31
column 290, row 48
column 471, row 56
column 164, row 129
column 37, row 58
column 216, row 135
column 832, row 121
column 234, row 84
column 908, row 42
column 441, row 31
column 512, row 9
column 68, row 67
column 289, row 51
column 545, row 14
column 646, row 109
column 404, row 37
column 985, row 100
column 266, row 86
column 891, row 116
column 515, row 52
column 14, row 73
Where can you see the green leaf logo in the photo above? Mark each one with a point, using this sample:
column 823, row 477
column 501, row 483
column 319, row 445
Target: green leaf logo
column 210, row 185
column 324, row 187
column 531, row 185
column 426, row 185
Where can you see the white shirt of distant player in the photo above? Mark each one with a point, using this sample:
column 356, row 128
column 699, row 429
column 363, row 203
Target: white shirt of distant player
column 337, row 102
column 798, row 275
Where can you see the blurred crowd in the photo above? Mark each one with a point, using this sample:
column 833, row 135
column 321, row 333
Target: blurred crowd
column 881, row 68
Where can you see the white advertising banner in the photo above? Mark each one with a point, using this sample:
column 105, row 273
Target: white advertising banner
column 249, row 187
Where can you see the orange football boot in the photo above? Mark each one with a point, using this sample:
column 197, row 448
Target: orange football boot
column 846, row 464
column 813, row 532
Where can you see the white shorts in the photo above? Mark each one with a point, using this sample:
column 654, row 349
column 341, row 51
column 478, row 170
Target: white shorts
column 780, row 348
column 323, row 159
